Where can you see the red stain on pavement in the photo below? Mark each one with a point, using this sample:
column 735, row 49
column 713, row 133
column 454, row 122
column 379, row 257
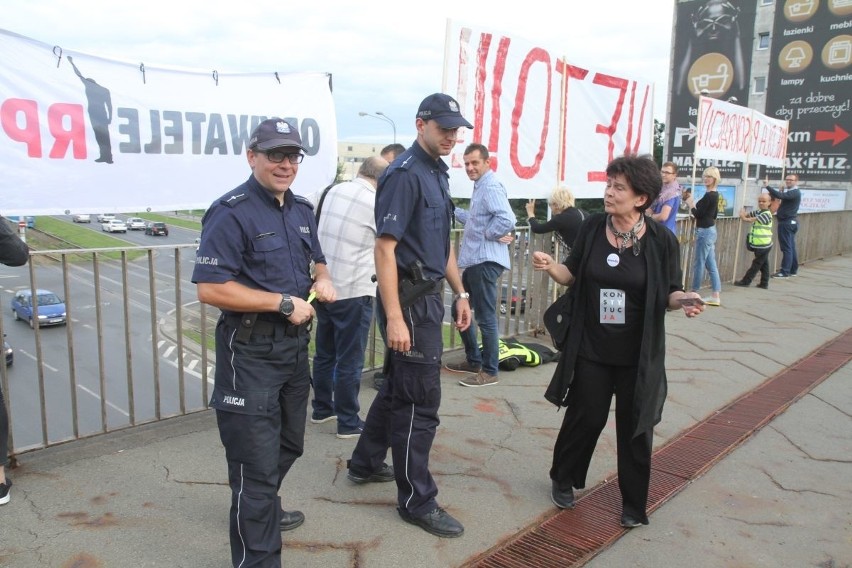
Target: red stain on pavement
column 488, row 406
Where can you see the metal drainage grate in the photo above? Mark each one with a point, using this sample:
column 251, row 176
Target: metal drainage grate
column 572, row 537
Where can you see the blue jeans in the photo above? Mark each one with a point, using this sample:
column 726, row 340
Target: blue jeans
column 705, row 257
column 787, row 230
column 480, row 280
column 341, row 338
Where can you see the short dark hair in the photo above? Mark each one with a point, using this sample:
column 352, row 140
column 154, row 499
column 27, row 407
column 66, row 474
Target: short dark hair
column 395, row 149
column 671, row 165
column 483, row 151
column 641, row 172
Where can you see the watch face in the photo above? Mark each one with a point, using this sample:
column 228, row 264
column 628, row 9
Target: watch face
column 286, row 308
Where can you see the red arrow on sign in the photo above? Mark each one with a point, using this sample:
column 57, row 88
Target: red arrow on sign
column 836, row 137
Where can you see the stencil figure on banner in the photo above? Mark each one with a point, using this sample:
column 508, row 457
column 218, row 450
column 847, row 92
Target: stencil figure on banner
column 483, row 256
column 100, row 113
column 253, row 262
column 627, row 268
column 788, row 223
column 413, row 256
column 347, row 233
column 759, row 241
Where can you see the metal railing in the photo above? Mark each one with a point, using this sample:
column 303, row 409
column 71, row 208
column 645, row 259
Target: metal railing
column 136, row 346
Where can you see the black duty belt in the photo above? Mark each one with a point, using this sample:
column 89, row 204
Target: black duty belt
column 248, row 324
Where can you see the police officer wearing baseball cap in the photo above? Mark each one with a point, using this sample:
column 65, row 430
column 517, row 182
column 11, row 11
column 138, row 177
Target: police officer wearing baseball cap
column 413, row 213
column 253, row 263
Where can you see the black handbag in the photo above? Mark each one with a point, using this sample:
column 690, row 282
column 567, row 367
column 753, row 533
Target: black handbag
column 557, row 319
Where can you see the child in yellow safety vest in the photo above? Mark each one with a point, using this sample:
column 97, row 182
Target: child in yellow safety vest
column 759, row 241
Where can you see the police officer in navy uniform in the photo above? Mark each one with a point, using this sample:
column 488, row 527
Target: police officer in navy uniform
column 253, row 262
column 413, row 213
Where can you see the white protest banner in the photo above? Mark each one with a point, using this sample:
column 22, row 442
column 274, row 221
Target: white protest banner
column 736, row 133
column 545, row 121
column 82, row 134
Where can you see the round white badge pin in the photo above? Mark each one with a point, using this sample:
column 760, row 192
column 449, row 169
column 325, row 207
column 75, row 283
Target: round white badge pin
column 613, row 260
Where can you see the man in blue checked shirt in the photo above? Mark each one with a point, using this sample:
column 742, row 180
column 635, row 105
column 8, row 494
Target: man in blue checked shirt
column 484, row 255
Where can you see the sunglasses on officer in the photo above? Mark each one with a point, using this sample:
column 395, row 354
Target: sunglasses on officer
column 278, row 156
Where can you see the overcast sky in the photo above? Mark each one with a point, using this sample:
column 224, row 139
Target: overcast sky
column 381, row 59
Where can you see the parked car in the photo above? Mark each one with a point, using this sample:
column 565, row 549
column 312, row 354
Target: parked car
column 104, row 217
column 29, row 220
column 82, row 218
column 136, row 223
column 51, row 308
column 9, row 352
column 114, row 226
column 154, row 229
column 514, row 300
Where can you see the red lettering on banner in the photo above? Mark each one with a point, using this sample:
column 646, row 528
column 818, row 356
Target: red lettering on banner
column 28, row 133
column 496, row 90
column 622, row 85
column 63, row 137
column 569, row 72
column 65, row 121
column 479, row 87
column 536, row 55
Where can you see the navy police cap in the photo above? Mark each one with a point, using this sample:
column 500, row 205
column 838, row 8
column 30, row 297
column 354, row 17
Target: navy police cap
column 444, row 110
column 275, row 133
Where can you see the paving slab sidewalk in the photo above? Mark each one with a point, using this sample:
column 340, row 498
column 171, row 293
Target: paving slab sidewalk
column 157, row 495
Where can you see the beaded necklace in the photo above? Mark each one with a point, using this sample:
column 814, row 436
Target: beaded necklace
column 623, row 239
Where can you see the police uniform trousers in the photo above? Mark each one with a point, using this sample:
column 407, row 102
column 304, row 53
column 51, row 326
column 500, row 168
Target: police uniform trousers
column 404, row 414
column 260, row 396
column 586, row 415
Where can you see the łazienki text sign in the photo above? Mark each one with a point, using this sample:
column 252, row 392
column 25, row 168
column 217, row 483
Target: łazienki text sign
column 731, row 132
column 544, row 120
column 81, row 134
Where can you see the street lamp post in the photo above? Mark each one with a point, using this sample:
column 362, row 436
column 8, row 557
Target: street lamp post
column 382, row 116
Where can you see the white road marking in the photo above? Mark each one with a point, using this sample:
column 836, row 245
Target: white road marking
column 108, row 403
column 33, row 357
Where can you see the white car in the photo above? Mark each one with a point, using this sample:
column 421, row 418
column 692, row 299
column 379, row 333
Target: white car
column 83, row 218
column 114, row 226
column 104, row 217
column 135, row 223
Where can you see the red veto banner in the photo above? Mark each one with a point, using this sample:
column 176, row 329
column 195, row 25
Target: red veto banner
column 736, row 133
column 545, row 121
column 82, row 134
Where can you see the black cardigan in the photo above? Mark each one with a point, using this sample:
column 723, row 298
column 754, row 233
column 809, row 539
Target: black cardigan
column 662, row 262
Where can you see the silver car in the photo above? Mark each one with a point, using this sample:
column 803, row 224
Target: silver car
column 136, row 223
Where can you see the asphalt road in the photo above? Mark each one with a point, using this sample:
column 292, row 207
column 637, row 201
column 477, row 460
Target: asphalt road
column 99, row 359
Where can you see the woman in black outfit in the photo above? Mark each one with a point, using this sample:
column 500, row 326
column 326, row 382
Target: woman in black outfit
column 705, row 212
column 625, row 270
column 566, row 219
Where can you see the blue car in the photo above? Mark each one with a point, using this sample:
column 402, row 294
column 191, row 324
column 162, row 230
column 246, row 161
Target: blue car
column 51, row 308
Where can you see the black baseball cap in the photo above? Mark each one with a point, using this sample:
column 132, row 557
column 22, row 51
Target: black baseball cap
column 275, row 133
column 444, row 110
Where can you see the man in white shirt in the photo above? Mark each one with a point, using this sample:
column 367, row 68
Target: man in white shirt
column 347, row 234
